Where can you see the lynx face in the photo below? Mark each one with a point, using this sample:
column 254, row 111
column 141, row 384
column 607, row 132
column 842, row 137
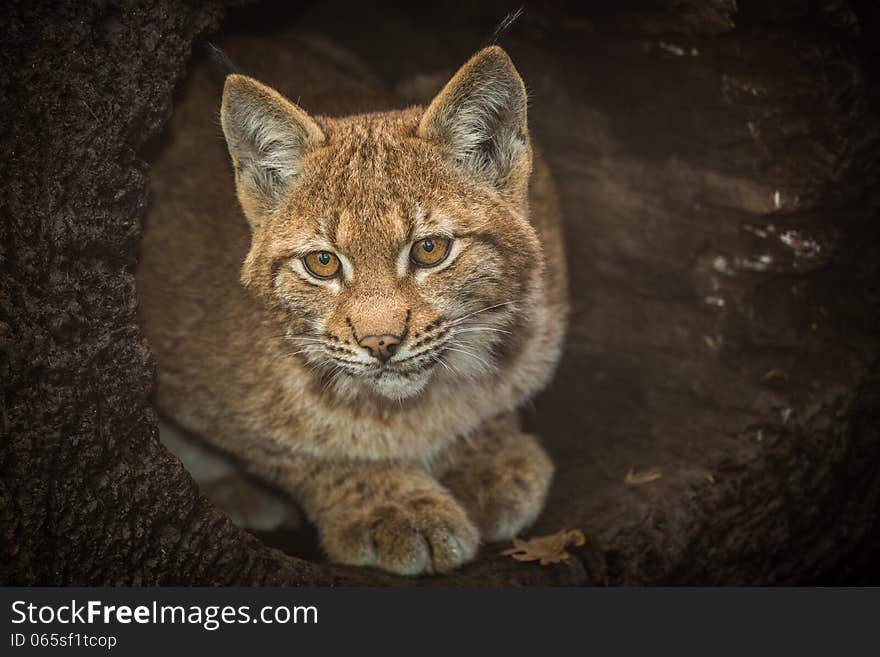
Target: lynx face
column 395, row 247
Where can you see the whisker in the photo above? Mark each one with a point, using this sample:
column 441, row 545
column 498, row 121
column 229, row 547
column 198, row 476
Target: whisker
column 454, row 368
column 472, row 355
column 332, row 376
column 459, row 320
column 421, row 354
column 482, row 328
column 301, row 351
column 437, row 359
column 312, row 367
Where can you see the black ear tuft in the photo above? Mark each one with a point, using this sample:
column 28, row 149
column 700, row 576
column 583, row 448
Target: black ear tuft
column 221, row 60
column 504, row 26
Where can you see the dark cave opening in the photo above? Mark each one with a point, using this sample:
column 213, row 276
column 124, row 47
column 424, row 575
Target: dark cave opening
column 721, row 360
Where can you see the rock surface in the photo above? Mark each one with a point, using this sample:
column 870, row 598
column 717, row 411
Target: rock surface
column 715, row 417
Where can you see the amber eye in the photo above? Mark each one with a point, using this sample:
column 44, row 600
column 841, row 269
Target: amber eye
column 322, row 264
column 430, row 252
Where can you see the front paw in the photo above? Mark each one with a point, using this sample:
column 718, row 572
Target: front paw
column 424, row 534
column 504, row 493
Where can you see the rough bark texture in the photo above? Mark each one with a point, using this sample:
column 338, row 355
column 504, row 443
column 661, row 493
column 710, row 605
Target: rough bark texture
column 715, row 419
column 88, row 495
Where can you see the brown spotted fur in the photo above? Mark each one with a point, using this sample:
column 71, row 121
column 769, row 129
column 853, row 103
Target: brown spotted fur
column 406, row 471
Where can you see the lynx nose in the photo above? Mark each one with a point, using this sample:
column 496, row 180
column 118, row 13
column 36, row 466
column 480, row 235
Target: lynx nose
column 381, row 346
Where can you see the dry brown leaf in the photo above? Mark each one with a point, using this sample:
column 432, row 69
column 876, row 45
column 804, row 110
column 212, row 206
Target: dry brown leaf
column 633, row 478
column 546, row 549
column 702, row 473
column 775, row 375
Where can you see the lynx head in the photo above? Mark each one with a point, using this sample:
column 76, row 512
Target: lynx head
column 395, row 248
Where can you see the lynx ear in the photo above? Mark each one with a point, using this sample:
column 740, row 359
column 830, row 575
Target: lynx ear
column 267, row 136
column 480, row 117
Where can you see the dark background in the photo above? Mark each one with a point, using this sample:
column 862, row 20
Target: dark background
column 715, row 417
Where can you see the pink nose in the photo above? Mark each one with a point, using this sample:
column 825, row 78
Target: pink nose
column 381, row 346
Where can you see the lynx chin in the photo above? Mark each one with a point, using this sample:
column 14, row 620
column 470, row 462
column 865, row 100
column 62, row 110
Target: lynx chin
column 360, row 327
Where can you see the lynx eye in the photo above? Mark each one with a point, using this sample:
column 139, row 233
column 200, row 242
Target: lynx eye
column 322, row 264
column 430, row 251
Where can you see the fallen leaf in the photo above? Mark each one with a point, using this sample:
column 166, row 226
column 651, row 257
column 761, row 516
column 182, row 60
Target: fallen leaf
column 702, row 473
column 775, row 375
column 633, row 478
column 546, row 549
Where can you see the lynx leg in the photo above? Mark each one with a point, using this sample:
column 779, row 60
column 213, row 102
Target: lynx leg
column 501, row 476
column 393, row 516
column 222, row 480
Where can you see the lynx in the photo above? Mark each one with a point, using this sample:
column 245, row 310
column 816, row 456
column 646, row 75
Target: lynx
column 360, row 328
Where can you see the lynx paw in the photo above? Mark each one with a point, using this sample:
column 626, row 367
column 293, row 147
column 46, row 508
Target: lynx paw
column 425, row 534
column 506, row 493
